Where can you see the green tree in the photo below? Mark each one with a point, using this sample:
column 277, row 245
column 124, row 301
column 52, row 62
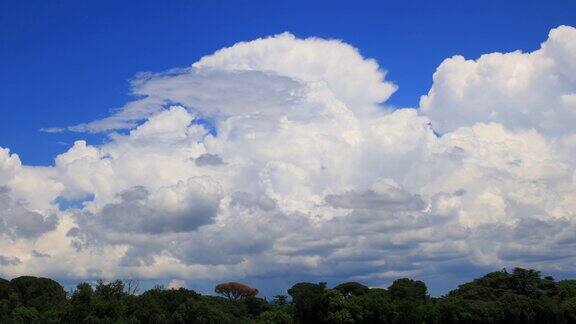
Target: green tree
column 25, row 315
column 111, row 302
column 45, row 296
column 338, row 309
column 408, row 289
column 211, row 310
column 280, row 300
column 566, row 289
column 158, row 305
column 82, row 303
column 567, row 310
column 373, row 307
column 309, row 302
column 352, row 289
column 525, row 281
column 8, row 299
column 276, row 315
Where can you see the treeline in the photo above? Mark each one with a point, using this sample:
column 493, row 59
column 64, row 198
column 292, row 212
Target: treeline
column 519, row 296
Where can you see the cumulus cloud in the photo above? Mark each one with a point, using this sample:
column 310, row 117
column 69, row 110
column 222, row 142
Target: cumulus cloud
column 9, row 261
column 274, row 158
column 16, row 220
column 38, row 254
column 357, row 82
column 208, row 159
column 265, row 76
column 180, row 208
column 176, row 284
column 519, row 90
column 384, row 197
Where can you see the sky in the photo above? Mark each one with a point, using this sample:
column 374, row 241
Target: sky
column 68, row 62
column 273, row 141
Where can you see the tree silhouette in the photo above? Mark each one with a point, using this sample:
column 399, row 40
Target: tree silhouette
column 352, row 289
column 235, row 290
column 502, row 297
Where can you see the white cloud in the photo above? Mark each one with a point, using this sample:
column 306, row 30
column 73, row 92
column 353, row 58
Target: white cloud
column 264, row 76
column 176, row 284
column 521, row 91
column 18, row 221
column 357, row 82
column 297, row 172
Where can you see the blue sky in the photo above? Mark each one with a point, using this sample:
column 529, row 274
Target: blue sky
column 257, row 148
column 68, row 62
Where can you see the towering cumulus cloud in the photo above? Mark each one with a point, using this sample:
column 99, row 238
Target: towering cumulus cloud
column 275, row 158
column 518, row 90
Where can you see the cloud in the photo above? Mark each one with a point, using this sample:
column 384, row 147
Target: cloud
column 521, row 91
column 263, row 76
column 274, row 159
column 53, row 129
column 180, row 208
column 38, row 254
column 18, row 221
column 357, row 82
column 208, row 159
column 9, row 261
column 176, row 284
column 386, row 196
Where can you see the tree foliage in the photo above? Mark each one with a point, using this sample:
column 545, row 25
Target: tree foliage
column 352, row 289
column 235, row 290
column 519, row 296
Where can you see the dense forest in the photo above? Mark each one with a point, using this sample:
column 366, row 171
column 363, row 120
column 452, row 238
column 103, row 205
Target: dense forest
column 518, row 296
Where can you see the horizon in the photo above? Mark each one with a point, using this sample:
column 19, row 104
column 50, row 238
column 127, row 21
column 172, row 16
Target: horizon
column 139, row 289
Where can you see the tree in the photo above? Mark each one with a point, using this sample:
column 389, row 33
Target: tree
column 408, row 289
column 373, row 307
column 337, row 311
column 5, row 289
column 525, row 281
column 157, row 305
column 110, row 300
column 40, row 293
column 278, row 315
column 280, row 300
column 309, row 302
column 25, row 315
column 82, row 302
column 519, row 296
column 203, row 310
column 568, row 309
column 7, row 298
column 566, row 289
column 517, row 308
column 235, row 290
column 352, row 289
column 255, row 306
column 110, row 291
column 131, row 286
column 489, row 287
